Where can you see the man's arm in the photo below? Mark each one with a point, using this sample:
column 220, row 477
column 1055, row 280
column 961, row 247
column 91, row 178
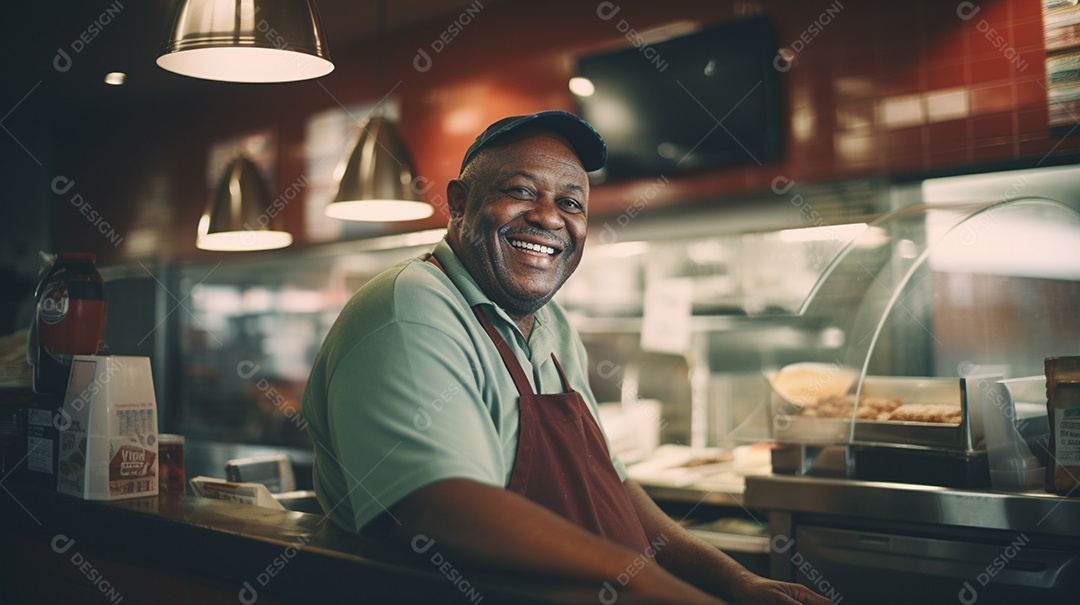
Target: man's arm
column 494, row 527
column 705, row 566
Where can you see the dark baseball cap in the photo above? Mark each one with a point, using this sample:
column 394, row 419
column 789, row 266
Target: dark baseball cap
column 587, row 143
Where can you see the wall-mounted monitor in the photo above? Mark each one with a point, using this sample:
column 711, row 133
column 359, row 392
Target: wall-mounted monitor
column 707, row 99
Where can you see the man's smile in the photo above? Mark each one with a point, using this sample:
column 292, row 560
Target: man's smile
column 533, row 247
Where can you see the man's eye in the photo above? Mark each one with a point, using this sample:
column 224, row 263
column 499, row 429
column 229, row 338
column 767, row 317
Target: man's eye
column 571, row 205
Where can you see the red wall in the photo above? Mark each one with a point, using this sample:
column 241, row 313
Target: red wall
column 143, row 167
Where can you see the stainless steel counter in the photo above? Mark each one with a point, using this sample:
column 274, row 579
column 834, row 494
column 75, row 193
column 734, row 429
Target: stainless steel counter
column 695, row 495
column 876, row 542
column 1034, row 512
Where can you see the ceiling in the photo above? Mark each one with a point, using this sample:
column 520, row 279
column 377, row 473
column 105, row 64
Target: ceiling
column 99, row 36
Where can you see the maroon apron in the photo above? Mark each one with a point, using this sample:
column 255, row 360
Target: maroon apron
column 562, row 460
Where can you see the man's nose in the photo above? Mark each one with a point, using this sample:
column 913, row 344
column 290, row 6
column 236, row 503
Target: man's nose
column 545, row 213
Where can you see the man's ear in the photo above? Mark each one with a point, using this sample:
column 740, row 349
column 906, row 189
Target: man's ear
column 456, row 194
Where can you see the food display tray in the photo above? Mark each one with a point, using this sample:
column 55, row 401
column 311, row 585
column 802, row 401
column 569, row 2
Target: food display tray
column 789, row 426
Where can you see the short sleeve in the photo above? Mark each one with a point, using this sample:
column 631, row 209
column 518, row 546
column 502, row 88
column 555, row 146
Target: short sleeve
column 404, row 410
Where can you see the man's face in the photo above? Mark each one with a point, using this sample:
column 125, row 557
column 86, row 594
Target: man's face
column 519, row 219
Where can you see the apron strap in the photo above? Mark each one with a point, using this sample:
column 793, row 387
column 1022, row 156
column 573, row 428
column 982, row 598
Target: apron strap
column 431, row 259
column 517, row 373
column 521, row 381
column 562, row 375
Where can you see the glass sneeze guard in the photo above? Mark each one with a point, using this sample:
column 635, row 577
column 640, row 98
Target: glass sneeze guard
column 931, row 295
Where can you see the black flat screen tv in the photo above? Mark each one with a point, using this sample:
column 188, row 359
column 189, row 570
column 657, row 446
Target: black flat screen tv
column 706, row 99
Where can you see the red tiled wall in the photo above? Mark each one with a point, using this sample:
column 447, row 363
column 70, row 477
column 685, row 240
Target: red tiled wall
column 881, row 88
column 979, row 85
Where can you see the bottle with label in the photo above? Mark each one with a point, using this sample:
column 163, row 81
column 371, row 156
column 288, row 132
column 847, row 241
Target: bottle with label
column 1063, row 407
column 70, row 319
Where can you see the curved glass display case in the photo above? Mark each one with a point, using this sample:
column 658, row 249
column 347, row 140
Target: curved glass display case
column 941, row 307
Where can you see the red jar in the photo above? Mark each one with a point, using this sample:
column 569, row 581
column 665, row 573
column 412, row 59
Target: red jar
column 70, row 319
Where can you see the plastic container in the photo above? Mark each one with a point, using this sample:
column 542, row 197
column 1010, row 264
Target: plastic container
column 1006, row 407
column 70, row 319
column 1063, row 408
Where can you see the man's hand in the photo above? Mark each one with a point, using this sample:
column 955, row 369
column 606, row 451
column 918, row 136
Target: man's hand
column 762, row 591
column 704, row 566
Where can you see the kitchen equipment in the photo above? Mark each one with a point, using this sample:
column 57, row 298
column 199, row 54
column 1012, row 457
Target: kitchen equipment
column 70, row 319
column 275, row 471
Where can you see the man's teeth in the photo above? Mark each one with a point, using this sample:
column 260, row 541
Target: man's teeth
column 532, row 247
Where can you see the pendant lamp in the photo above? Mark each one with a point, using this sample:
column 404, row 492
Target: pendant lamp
column 376, row 182
column 239, row 216
column 246, row 41
column 377, row 177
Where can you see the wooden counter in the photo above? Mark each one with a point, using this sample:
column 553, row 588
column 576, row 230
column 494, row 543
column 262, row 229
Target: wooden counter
column 60, row 549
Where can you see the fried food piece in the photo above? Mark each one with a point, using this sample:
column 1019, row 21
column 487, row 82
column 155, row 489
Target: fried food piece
column 695, row 462
column 843, row 406
column 927, row 412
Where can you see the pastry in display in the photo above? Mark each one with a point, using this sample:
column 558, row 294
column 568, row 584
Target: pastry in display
column 843, row 406
column 882, row 409
column 824, row 391
column 927, row 412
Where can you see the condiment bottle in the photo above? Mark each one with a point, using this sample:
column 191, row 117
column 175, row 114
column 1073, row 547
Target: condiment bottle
column 70, row 319
column 1063, row 407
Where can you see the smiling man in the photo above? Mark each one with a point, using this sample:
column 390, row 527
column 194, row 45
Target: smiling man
column 450, row 401
column 518, row 215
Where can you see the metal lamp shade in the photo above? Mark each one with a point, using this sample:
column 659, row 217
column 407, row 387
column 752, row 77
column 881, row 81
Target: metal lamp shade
column 376, row 184
column 241, row 215
column 246, row 41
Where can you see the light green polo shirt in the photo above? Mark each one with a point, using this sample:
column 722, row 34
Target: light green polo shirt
column 408, row 389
